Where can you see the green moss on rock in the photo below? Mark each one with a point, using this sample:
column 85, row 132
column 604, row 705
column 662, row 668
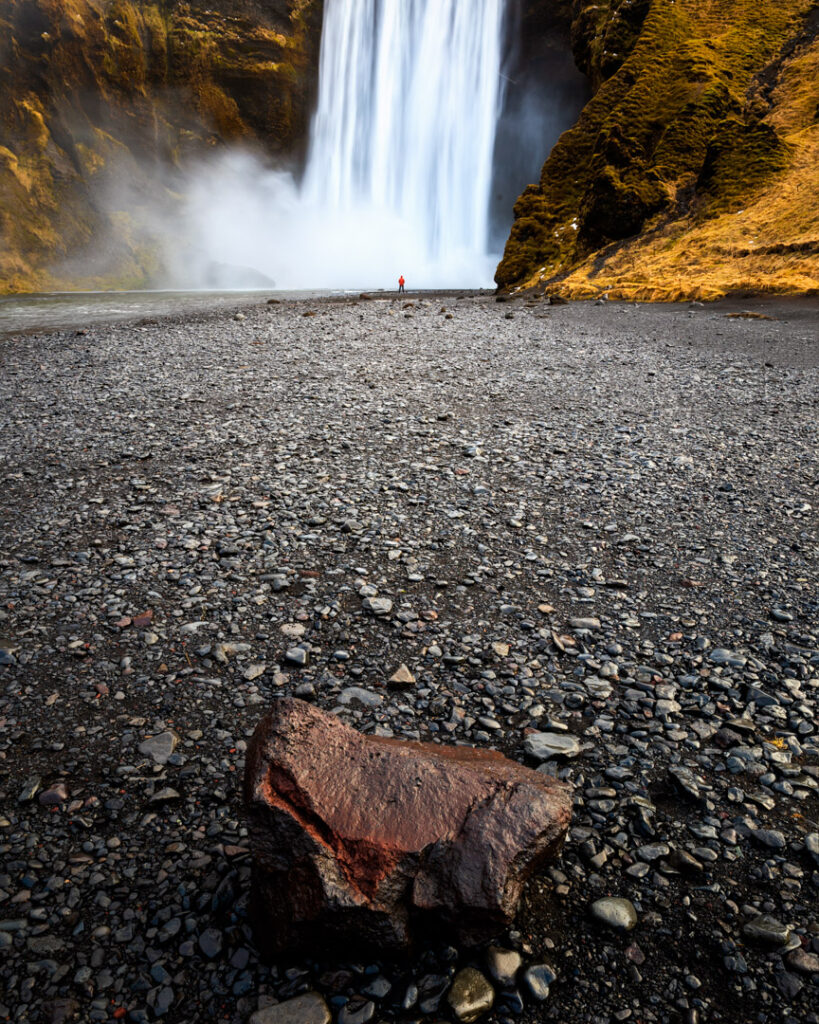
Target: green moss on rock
column 668, row 129
column 740, row 157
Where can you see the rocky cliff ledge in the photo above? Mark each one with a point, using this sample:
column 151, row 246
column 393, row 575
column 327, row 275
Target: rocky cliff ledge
column 94, row 92
column 694, row 169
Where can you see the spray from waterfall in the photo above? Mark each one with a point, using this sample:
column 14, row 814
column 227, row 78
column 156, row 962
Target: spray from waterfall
column 399, row 169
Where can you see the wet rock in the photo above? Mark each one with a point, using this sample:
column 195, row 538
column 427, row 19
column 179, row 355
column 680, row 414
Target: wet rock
column 503, row 965
column 307, row 1009
column 356, row 1011
column 546, row 745
column 767, row 931
column 615, row 912
column 684, row 862
column 722, row 656
column 471, row 995
column 160, row 747
column 771, row 838
column 538, row 979
column 379, row 988
column 326, row 868
column 430, row 991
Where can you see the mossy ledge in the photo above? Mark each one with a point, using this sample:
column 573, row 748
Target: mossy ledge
column 94, row 92
column 694, row 169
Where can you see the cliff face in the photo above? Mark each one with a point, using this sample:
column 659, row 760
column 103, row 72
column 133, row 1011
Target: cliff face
column 94, row 93
column 694, row 169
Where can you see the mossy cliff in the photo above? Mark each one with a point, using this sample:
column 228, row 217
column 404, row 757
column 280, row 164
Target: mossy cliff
column 694, row 169
column 95, row 92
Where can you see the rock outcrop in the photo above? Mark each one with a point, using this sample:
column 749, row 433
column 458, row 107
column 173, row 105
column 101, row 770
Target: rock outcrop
column 365, row 841
column 694, row 169
column 95, row 94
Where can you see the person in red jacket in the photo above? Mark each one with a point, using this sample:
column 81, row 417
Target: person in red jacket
column 400, row 284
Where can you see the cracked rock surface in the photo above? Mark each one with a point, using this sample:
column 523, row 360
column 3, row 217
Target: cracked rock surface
column 366, row 841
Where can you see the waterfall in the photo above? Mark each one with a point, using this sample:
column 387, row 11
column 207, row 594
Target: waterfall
column 409, row 94
column 399, row 167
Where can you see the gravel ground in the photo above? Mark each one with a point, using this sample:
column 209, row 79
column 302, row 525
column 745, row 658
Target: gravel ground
column 588, row 530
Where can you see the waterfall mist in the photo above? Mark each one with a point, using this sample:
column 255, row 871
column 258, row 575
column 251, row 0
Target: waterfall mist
column 399, row 167
column 432, row 117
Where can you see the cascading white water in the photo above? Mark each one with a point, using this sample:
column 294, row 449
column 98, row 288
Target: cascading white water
column 399, row 167
column 409, row 94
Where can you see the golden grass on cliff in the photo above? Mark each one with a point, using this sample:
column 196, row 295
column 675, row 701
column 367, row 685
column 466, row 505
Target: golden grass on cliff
column 736, row 168
column 771, row 244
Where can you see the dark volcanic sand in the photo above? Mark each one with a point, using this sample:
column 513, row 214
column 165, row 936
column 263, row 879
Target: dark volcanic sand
column 497, row 470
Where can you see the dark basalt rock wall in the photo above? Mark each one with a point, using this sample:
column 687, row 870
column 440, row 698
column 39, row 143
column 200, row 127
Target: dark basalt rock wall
column 674, row 128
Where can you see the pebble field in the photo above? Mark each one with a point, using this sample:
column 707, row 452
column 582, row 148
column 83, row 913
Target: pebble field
column 585, row 535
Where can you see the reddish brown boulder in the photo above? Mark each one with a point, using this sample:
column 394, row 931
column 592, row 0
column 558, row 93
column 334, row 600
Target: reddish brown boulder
column 364, row 841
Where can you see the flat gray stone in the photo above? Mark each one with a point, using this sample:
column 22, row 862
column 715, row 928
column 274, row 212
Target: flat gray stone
column 307, row 1009
column 544, row 745
column 589, row 624
column 359, row 695
column 722, row 656
column 771, row 838
column 160, row 747
column 767, row 931
column 615, row 912
column 165, row 796
column 378, row 605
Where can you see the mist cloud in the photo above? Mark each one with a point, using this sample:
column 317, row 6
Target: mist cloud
column 243, row 224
